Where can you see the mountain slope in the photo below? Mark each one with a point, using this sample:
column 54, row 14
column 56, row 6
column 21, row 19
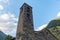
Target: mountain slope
column 54, row 28
column 2, row 35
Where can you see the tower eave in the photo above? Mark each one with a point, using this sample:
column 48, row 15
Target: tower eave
column 26, row 5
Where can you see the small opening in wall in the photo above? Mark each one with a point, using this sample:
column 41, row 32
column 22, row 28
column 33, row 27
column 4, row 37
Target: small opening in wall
column 28, row 9
column 28, row 15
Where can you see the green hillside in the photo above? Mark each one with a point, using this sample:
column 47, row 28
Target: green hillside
column 2, row 35
column 54, row 28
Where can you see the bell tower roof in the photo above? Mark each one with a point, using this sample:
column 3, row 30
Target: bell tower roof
column 25, row 4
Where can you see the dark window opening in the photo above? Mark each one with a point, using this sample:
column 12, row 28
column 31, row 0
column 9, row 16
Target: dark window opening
column 28, row 9
column 28, row 15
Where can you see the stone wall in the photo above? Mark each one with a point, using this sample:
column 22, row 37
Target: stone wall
column 43, row 35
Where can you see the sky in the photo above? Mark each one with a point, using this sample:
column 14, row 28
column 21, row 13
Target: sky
column 43, row 12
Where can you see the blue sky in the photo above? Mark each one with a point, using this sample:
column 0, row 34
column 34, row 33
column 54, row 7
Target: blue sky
column 43, row 12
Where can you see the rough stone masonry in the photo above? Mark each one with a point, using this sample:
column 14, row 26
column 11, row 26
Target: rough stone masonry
column 25, row 29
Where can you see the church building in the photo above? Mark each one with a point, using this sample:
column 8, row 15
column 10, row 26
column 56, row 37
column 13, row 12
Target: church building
column 25, row 29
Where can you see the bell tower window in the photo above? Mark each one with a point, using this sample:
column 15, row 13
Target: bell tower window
column 28, row 9
column 28, row 15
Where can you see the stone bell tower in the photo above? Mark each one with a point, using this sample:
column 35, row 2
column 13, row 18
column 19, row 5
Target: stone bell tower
column 25, row 24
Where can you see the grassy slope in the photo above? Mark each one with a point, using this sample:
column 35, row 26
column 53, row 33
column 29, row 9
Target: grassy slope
column 55, row 28
column 55, row 31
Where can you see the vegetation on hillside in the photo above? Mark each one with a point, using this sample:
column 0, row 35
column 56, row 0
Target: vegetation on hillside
column 8, row 37
column 54, row 28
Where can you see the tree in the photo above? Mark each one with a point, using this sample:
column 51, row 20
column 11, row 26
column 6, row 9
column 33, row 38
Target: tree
column 8, row 37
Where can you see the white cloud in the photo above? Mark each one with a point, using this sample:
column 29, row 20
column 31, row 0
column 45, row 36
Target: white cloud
column 4, row 16
column 41, row 27
column 3, row 28
column 58, row 15
column 1, row 7
column 8, row 17
column 8, row 23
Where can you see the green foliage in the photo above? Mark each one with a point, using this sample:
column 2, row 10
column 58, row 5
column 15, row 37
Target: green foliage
column 8, row 37
column 55, row 32
column 54, row 28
